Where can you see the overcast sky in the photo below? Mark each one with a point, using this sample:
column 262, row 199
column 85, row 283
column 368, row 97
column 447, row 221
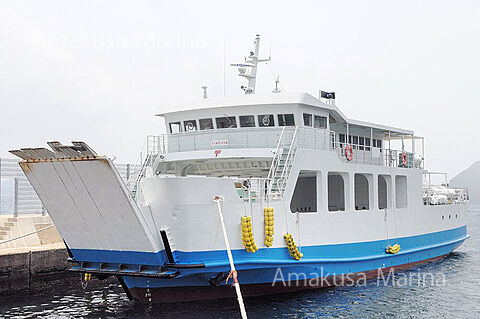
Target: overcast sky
column 97, row 71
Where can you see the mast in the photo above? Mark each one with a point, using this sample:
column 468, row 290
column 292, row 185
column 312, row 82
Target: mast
column 251, row 64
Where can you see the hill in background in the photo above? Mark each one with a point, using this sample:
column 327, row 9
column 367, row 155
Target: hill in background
column 469, row 178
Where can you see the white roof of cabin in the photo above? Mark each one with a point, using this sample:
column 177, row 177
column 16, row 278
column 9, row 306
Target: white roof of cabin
column 269, row 99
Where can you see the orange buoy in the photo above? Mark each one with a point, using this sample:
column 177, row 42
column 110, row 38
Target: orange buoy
column 349, row 152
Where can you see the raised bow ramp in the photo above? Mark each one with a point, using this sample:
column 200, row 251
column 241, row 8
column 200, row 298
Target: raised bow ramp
column 90, row 205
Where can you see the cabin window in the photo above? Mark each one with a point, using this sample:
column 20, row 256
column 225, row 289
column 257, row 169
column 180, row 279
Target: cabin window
column 307, row 119
column 190, row 125
column 361, row 142
column 384, row 191
column 320, row 122
column 265, row 120
column 355, row 142
column 175, row 127
column 206, row 124
column 247, row 121
column 401, row 191
column 226, row 122
column 367, row 144
column 362, row 194
column 377, row 143
column 341, row 139
column 336, row 192
column 286, row 120
column 304, row 198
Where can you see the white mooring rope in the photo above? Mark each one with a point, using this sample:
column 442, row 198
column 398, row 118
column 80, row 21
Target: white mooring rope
column 25, row 235
column 218, row 199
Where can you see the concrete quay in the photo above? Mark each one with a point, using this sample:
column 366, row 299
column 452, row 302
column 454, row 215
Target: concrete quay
column 36, row 262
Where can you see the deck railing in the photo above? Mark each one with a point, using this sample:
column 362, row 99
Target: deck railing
column 265, row 137
column 369, row 155
column 268, row 137
column 223, row 139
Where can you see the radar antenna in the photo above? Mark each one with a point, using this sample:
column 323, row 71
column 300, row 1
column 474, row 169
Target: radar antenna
column 251, row 63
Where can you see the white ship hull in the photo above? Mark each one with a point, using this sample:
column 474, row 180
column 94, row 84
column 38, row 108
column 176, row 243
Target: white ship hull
column 108, row 233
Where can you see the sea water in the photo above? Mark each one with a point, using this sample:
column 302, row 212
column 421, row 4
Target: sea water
column 448, row 288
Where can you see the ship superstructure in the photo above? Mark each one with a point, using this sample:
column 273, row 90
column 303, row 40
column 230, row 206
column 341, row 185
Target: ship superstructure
column 314, row 191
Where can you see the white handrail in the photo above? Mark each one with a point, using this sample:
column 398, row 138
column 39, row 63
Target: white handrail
column 287, row 159
column 387, row 157
column 276, row 158
column 151, row 147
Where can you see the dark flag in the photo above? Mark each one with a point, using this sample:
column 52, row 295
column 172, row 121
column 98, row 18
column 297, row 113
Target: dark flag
column 327, row 95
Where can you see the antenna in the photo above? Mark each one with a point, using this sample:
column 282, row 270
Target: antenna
column 251, row 63
column 224, row 64
column 270, row 52
column 276, row 90
column 204, row 91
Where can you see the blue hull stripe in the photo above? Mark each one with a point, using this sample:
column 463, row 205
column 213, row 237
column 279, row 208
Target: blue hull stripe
column 327, row 253
column 261, row 266
column 120, row 257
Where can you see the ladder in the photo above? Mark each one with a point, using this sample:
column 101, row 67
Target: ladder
column 148, row 156
column 282, row 162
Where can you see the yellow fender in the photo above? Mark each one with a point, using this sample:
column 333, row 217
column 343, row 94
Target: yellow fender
column 292, row 247
column 247, row 235
column 393, row 249
column 268, row 218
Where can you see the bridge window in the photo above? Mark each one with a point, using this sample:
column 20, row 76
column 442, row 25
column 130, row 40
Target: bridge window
column 265, row 120
column 226, row 122
column 206, row 124
column 336, row 192
column 190, row 125
column 286, row 120
column 401, row 191
column 320, row 122
column 247, row 121
column 362, row 193
column 304, row 198
column 175, row 127
column 307, row 119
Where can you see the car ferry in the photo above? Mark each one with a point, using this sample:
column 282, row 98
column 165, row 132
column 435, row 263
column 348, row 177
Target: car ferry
column 306, row 191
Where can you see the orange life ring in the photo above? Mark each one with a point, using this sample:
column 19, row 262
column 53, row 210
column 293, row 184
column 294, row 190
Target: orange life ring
column 349, row 152
column 404, row 159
